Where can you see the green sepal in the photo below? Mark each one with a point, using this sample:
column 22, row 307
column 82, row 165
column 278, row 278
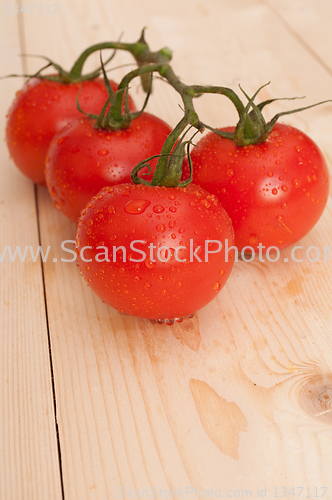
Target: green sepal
column 252, row 127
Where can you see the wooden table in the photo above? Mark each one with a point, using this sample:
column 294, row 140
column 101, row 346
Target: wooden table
column 236, row 402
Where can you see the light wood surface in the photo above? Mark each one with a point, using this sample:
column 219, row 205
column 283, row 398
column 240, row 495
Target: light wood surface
column 236, row 402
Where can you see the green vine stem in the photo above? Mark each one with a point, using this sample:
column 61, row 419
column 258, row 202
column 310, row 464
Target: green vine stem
column 62, row 76
column 139, row 50
column 251, row 128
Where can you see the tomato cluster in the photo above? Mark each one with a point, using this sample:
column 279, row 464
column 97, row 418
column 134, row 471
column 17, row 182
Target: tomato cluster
column 157, row 245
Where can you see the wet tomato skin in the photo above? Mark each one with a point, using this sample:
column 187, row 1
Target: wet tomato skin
column 82, row 159
column 274, row 192
column 40, row 110
column 162, row 217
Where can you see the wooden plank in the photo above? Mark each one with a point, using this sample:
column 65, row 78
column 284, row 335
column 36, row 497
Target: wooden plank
column 239, row 397
column 29, row 467
column 311, row 23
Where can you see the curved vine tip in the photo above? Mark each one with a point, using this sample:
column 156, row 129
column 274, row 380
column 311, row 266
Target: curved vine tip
column 168, row 171
column 252, row 127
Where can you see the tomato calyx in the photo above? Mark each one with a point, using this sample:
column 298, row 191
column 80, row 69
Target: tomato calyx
column 168, row 171
column 252, row 127
column 115, row 114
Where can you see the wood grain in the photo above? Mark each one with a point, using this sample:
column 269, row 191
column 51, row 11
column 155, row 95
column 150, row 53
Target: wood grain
column 237, row 398
column 29, row 455
column 310, row 23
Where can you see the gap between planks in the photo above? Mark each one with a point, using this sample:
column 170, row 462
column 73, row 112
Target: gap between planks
column 22, row 42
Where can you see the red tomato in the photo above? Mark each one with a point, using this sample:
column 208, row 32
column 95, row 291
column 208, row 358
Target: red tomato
column 40, row 110
column 274, row 192
column 82, row 159
column 131, row 226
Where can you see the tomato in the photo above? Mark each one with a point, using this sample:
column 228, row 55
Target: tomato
column 121, row 243
column 40, row 110
column 274, row 192
column 83, row 159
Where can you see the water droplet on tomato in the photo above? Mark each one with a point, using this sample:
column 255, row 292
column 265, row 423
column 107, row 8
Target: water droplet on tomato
column 172, row 209
column 222, row 272
column 56, row 205
column 253, row 238
column 296, row 183
column 161, row 228
column 284, row 188
column 182, row 230
column 179, row 283
column 149, row 263
column 284, row 205
column 297, row 149
column 111, row 209
column 212, row 197
column 103, row 152
column 274, row 191
column 217, row 286
column 205, row 203
column 75, row 149
column 158, row 209
column 270, row 174
column 136, row 206
column 230, row 172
